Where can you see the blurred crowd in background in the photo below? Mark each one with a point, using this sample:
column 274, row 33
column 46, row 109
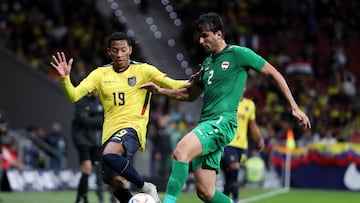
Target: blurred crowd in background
column 311, row 42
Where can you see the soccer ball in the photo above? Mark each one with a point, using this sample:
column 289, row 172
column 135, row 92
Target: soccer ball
column 142, row 198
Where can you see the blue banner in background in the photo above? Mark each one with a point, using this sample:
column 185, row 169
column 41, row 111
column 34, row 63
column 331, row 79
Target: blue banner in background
column 324, row 177
column 322, row 166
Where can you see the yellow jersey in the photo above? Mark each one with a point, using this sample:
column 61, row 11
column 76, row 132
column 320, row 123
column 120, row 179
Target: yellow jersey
column 245, row 113
column 125, row 105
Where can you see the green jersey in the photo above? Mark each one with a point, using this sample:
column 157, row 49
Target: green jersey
column 224, row 78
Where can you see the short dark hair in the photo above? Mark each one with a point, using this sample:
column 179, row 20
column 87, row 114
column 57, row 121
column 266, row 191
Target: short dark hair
column 119, row 36
column 210, row 22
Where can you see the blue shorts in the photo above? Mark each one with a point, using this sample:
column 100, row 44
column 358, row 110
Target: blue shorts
column 232, row 155
column 130, row 140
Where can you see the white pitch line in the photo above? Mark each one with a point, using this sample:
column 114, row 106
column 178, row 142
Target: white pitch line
column 265, row 195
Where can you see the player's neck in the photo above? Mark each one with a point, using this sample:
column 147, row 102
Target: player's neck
column 121, row 69
column 221, row 47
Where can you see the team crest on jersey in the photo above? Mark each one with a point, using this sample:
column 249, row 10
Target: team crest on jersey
column 225, row 65
column 132, row 81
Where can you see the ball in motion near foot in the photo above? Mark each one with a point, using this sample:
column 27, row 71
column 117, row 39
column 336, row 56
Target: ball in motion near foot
column 142, row 198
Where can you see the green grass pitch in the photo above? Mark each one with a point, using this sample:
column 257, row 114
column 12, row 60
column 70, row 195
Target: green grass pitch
column 294, row 196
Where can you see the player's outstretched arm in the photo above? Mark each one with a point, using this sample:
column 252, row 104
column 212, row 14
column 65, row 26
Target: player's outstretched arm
column 64, row 67
column 60, row 64
column 270, row 71
column 256, row 135
column 189, row 93
column 178, row 94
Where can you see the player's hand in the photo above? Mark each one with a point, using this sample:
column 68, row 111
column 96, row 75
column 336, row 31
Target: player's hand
column 302, row 118
column 60, row 64
column 194, row 77
column 152, row 87
column 261, row 145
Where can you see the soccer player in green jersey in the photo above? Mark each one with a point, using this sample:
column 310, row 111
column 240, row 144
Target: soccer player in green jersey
column 236, row 151
column 126, row 109
column 222, row 80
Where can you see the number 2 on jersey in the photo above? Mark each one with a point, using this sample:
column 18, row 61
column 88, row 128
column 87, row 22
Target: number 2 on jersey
column 211, row 75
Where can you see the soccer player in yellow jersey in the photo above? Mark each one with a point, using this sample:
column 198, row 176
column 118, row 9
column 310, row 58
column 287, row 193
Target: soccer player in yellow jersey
column 126, row 109
column 237, row 148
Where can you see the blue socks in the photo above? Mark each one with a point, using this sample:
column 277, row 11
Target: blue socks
column 124, row 167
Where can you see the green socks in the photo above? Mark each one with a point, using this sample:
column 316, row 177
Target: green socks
column 220, row 197
column 179, row 174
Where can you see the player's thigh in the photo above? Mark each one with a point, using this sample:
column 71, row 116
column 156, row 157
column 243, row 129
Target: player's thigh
column 214, row 136
column 209, row 161
column 124, row 142
column 188, row 148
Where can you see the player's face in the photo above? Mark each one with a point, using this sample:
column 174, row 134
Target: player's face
column 210, row 41
column 120, row 52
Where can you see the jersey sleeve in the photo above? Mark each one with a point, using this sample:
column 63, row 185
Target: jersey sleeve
column 73, row 94
column 161, row 79
column 249, row 58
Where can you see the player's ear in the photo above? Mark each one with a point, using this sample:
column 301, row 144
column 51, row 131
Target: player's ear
column 219, row 34
column 130, row 49
column 108, row 51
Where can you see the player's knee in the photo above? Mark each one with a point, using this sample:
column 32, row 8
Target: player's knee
column 234, row 166
column 204, row 194
column 107, row 173
column 205, row 191
column 86, row 167
column 119, row 182
column 180, row 155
